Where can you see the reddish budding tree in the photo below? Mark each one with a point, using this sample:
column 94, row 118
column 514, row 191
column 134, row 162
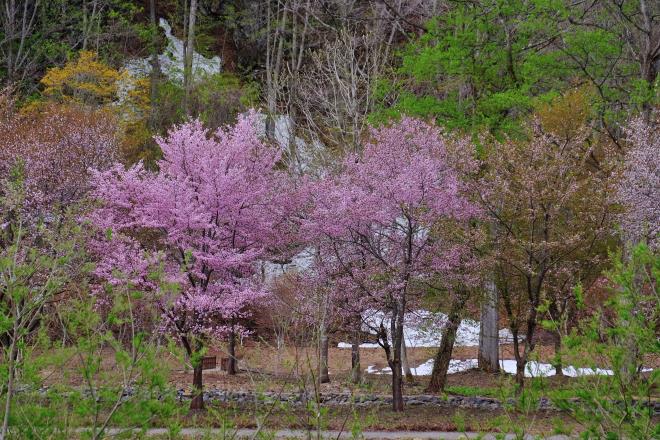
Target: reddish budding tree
column 56, row 146
column 374, row 225
column 215, row 207
column 45, row 157
column 548, row 200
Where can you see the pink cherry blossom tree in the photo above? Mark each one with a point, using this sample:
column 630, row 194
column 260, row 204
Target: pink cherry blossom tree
column 639, row 190
column 216, row 206
column 377, row 224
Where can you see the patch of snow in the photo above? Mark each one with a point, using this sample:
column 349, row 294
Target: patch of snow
column 373, row 370
column 425, row 369
column 532, row 369
column 506, row 337
column 363, row 345
column 171, row 60
column 424, row 329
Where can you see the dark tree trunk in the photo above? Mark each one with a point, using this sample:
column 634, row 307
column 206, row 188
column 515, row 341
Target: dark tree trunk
column 356, row 369
column 397, row 384
column 521, row 359
column 443, row 356
column 533, row 294
column 231, row 364
column 395, row 362
column 188, row 57
column 197, row 402
column 557, row 363
column 520, row 374
column 556, row 314
column 520, row 362
column 488, row 358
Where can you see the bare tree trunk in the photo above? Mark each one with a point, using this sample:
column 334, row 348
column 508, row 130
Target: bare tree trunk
column 9, row 29
column 274, row 60
column 324, row 376
column 404, row 362
column 443, row 356
column 649, row 50
column 520, row 374
column 17, row 25
column 520, row 362
column 155, row 65
column 188, row 62
column 197, row 402
column 231, row 365
column 397, row 385
column 488, row 358
column 356, row 369
column 533, row 293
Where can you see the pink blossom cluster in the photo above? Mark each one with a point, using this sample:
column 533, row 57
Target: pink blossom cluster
column 216, row 206
column 376, row 223
column 639, row 190
column 219, row 204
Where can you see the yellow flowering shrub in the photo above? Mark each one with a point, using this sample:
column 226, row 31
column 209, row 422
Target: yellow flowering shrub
column 86, row 80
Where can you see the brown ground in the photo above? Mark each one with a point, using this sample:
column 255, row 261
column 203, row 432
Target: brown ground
column 264, row 368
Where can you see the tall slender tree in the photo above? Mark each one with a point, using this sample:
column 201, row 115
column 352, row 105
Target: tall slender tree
column 188, row 68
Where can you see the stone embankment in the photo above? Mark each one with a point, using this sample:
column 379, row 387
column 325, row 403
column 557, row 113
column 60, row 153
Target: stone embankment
column 337, row 399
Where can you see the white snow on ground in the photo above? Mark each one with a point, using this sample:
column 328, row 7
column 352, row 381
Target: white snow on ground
column 532, row 369
column 424, row 329
column 171, row 64
column 363, row 345
column 171, row 60
column 455, row 366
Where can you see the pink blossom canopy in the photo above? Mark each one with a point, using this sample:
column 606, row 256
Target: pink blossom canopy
column 216, row 206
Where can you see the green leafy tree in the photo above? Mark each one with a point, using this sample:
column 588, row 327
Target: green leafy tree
column 615, row 46
column 621, row 336
column 481, row 65
column 486, row 64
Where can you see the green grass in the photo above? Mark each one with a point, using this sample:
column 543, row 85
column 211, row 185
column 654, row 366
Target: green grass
column 463, row 390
